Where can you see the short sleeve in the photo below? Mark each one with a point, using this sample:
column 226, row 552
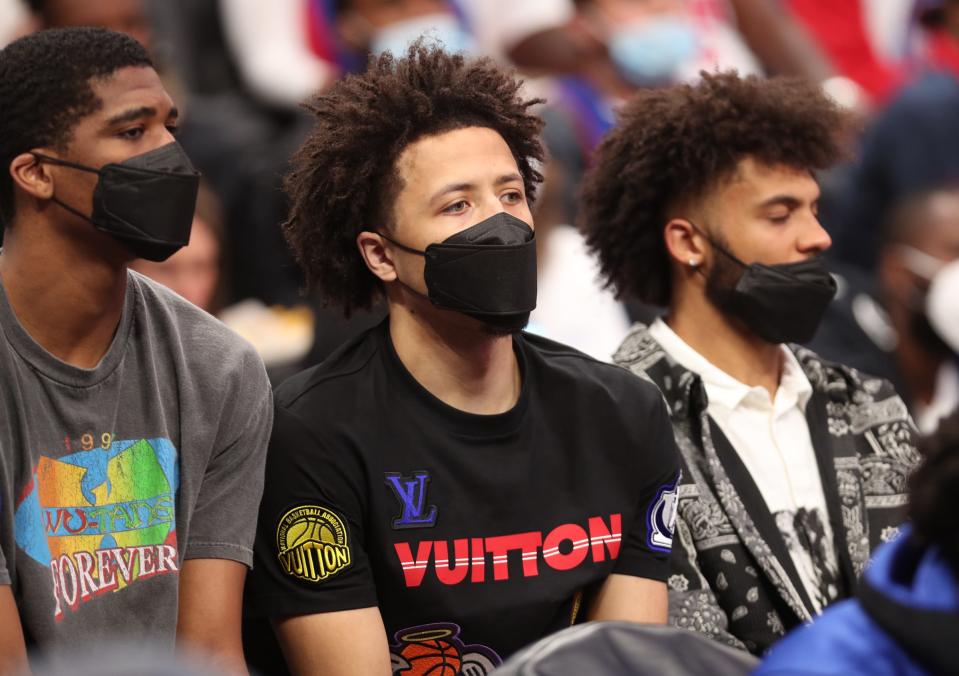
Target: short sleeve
column 309, row 553
column 223, row 522
column 648, row 541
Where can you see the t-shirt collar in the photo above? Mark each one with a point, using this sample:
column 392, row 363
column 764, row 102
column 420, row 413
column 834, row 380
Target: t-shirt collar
column 52, row 367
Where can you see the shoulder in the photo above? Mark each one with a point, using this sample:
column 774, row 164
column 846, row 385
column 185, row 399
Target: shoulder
column 564, row 366
column 342, row 374
column 201, row 340
column 842, row 382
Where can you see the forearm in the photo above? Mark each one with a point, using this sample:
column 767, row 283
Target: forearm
column 335, row 644
column 211, row 600
column 631, row 599
column 13, row 651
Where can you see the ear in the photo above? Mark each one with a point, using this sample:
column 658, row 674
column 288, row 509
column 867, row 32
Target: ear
column 32, row 176
column 373, row 249
column 684, row 244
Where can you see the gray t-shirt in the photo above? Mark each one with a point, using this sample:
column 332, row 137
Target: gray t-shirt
column 111, row 477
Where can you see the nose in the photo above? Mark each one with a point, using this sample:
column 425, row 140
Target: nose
column 815, row 239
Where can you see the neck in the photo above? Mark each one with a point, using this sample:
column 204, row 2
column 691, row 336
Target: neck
column 69, row 300
column 728, row 346
column 461, row 366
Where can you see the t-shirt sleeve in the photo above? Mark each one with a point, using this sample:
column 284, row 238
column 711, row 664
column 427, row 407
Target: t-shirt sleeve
column 648, row 540
column 223, row 522
column 309, row 551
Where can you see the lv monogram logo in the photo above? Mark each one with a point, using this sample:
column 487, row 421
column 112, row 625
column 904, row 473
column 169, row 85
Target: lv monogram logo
column 411, row 492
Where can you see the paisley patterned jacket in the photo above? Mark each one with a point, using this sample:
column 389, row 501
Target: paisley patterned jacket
column 731, row 575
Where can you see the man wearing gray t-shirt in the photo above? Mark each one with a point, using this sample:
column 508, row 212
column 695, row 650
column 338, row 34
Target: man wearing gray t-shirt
column 133, row 426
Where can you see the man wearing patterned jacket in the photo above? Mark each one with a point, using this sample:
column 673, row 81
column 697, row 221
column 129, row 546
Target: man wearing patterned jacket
column 794, row 469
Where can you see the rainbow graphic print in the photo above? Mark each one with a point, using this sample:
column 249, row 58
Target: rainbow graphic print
column 101, row 519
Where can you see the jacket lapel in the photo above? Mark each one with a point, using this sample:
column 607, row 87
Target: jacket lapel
column 841, row 475
column 756, row 525
column 723, row 470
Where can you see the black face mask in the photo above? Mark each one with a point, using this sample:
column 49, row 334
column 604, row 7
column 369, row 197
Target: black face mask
column 779, row 303
column 487, row 271
column 145, row 202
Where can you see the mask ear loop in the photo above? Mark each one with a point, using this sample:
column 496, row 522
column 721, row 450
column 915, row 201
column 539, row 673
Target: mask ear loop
column 411, row 250
column 65, row 163
column 403, row 247
column 715, row 245
column 73, row 165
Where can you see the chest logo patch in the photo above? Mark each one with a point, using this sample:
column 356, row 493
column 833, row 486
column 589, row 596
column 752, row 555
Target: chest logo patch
column 312, row 543
column 410, row 491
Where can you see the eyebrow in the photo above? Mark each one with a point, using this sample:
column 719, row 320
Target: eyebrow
column 456, row 187
column 139, row 113
column 788, row 201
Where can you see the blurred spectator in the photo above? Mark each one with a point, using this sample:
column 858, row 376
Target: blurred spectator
column 886, row 329
column 572, row 306
column 195, row 271
column 270, row 42
column 913, row 145
column 532, row 34
column 937, row 41
column 906, row 617
column 636, row 44
column 841, row 30
column 922, row 236
column 123, row 16
column 15, row 21
column 361, row 27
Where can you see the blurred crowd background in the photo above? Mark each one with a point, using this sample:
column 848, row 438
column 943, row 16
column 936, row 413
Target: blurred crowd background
column 240, row 69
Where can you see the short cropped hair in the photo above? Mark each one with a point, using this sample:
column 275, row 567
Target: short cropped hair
column 344, row 179
column 45, row 89
column 934, row 492
column 672, row 145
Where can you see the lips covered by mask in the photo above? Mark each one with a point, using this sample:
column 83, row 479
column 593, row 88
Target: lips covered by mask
column 440, row 28
column 145, row 202
column 651, row 52
column 487, row 271
column 782, row 303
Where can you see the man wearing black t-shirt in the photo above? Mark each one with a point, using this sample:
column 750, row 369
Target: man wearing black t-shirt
column 444, row 489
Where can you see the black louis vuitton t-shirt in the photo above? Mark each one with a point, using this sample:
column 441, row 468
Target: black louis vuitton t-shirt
column 474, row 534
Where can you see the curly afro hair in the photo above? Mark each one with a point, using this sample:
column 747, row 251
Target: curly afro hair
column 45, row 89
column 344, row 178
column 934, row 492
column 673, row 145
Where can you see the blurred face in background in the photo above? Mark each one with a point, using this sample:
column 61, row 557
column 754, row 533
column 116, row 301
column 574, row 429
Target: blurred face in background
column 194, row 271
column 648, row 41
column 906, row 268
column 390, row 25
column 627, row 11
column 123, row 16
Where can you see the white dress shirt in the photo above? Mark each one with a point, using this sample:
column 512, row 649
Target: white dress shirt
column 772, row 439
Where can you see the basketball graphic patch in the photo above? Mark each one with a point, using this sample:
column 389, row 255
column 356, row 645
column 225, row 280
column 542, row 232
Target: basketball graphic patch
column 437, row 650
column 312, row 543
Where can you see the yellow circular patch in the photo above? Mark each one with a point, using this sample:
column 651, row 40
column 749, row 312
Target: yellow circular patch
column 311, row 543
